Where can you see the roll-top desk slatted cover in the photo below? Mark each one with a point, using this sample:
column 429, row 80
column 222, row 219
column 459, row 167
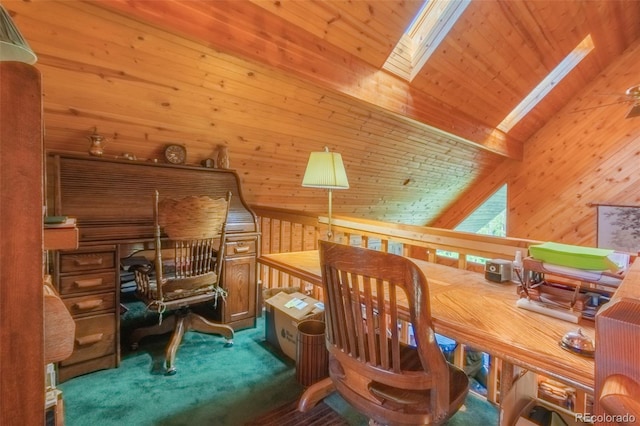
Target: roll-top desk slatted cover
column 112, row 199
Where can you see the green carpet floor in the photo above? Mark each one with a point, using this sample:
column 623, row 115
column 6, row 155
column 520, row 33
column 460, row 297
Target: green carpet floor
column 214, row 386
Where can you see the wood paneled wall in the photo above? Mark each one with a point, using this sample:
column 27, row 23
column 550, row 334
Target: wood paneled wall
column 577, row 160
column 143, row 88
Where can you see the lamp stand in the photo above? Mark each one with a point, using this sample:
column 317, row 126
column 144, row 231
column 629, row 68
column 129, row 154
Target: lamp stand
column 329, row 233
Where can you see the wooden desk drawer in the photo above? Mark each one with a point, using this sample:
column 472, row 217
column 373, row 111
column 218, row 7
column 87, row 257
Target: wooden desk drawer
column 95, row 303
column 72, row 262
column 100, row 281
column 95, row 337
column 241, row 247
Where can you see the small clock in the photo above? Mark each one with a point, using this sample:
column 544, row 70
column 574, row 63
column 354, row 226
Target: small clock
column 175, row 154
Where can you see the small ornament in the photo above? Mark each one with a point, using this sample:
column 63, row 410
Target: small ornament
column 223, row 157
column 209, row 163
column 97, row 144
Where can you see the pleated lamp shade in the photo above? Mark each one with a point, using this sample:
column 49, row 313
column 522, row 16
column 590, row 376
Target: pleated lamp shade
column 325, row 170
column 13, row 47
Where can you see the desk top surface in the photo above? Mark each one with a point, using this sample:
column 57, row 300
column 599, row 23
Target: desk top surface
column 482, row 314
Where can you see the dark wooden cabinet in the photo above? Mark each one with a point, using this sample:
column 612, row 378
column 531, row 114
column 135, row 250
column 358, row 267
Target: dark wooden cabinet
column 112, row 202
column 239, row 278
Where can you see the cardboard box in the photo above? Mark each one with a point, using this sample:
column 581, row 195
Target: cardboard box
column 283, row 314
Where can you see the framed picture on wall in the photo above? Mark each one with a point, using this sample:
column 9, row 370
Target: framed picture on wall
column 619, row 228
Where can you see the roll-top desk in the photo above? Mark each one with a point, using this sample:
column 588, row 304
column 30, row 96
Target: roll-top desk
column 112, row 202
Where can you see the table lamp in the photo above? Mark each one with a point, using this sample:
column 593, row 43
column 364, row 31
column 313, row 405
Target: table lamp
column 13, row 47
column 326, row 170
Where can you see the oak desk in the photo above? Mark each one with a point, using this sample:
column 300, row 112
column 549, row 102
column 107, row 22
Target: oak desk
column 481, row 314
column 111, row 199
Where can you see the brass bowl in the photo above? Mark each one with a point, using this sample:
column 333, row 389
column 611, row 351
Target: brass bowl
column 578, row 343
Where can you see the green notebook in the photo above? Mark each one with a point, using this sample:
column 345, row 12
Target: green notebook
column 580, row 257
column 49, row 220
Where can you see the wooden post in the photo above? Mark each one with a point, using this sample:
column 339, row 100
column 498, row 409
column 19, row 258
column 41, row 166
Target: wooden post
column 21, row 243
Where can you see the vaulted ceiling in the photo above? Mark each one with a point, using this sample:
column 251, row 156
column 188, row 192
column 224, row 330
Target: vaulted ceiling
column 274, row 80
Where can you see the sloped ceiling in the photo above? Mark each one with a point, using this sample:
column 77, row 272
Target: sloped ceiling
column 274, row 80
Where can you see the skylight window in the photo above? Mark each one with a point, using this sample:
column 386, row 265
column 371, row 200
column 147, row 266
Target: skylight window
column 546, row 85
column 423, row 36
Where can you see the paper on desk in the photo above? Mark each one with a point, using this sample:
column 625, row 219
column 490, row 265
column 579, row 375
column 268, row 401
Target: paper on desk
column 296, row 303
column 584, row 274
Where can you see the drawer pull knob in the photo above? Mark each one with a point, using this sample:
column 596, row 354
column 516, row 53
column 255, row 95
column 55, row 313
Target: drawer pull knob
column 89, row 340
column 94, row 282
column 243, row 249
column 87, row 304
column 88, row 261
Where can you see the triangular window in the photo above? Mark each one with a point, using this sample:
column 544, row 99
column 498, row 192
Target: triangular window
column 490, row 218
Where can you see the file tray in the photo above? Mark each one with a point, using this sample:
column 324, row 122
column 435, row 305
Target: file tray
column 579, row 257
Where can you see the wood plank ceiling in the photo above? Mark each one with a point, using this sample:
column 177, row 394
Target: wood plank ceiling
column 274, row 80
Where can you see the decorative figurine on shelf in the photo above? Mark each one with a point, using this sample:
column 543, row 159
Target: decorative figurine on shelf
column 223, row 157
column 97, row 144
column 209, row 163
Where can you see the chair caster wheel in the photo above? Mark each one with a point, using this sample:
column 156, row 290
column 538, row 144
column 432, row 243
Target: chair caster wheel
column 228, row 344
column 171, row 371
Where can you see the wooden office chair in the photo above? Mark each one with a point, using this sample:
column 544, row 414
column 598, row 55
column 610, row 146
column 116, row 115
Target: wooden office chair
column 391, row 382
column 186, row 268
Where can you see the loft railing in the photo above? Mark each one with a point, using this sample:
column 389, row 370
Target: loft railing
column 287, row 231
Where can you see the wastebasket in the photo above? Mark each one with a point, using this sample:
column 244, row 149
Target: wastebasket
column 312, row 357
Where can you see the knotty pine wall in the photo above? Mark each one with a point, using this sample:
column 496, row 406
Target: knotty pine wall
column 143, row 88
column 106, row 71
column 577, row 160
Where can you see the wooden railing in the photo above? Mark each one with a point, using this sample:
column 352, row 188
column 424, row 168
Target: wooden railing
column 286, row 231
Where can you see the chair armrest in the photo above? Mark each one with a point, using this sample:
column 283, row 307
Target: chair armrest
column 619, row 397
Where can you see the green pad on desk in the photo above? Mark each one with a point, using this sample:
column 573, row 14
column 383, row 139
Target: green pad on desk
column 580, row 257
column 54, row 219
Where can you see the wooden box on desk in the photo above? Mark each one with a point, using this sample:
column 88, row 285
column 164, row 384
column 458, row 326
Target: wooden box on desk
column 60, row 238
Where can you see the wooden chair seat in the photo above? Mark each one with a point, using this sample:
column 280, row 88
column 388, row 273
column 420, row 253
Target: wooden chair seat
column 181, row 289
column 405, row 397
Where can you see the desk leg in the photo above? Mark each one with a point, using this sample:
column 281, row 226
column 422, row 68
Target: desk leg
column 581, row 404
column 60, row 413
column 314, row 394
column 458, row 356
column 506, row 378
column 492, row 380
